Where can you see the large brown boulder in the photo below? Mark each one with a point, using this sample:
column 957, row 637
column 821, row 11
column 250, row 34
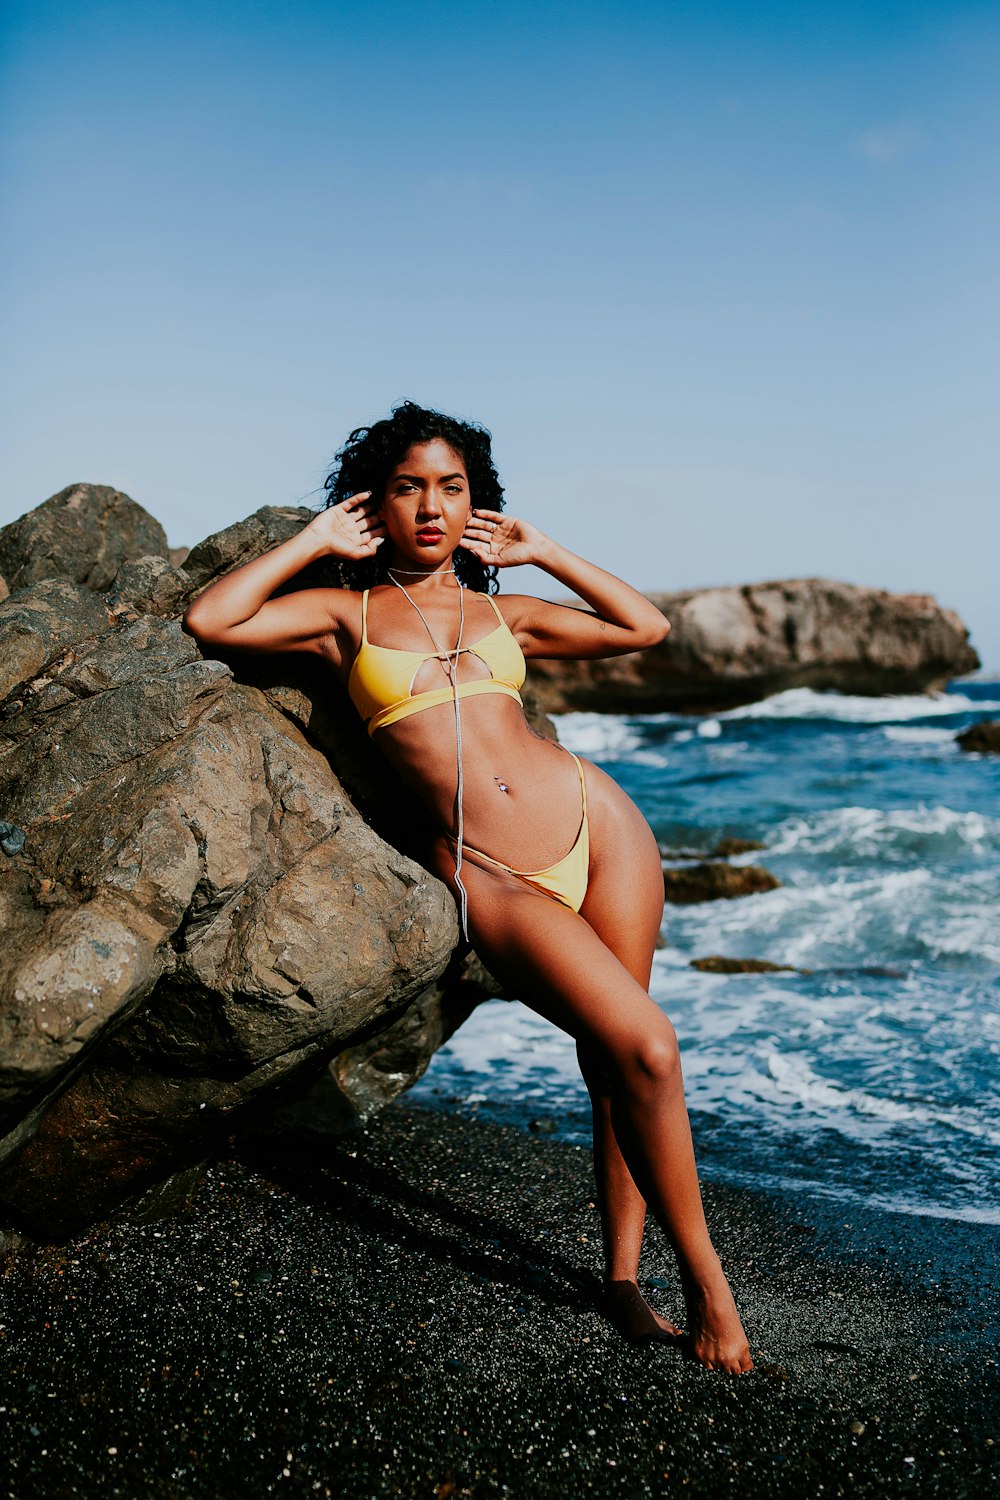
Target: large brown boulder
column 197, row 913
column 209, row 893
column 85, row 533
column 729, row 646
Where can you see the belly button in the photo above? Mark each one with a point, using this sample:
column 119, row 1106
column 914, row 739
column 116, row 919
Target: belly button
column 502, row 785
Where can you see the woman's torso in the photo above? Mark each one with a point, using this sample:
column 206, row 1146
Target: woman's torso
column 521, row 793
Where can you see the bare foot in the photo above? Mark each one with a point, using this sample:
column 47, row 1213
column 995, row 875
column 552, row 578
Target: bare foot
column 717, row 1337
column 632, row 1315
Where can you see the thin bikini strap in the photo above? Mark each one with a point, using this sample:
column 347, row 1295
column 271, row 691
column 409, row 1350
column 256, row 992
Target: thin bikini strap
column 492, row 602
column 364, row 618
column 583, row 784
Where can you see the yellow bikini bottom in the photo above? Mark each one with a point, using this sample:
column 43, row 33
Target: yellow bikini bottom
column 566, row 880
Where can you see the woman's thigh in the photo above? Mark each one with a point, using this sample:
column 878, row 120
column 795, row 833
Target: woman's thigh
column 624, row 900
column 555, row 961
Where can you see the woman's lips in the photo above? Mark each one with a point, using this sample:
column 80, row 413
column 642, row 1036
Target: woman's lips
column 430, row 534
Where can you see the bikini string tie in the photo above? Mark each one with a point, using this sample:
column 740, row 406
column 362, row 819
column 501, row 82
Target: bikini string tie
column 452, row 669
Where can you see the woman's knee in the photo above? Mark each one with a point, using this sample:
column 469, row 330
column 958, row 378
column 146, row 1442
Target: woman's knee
column 649, row 1061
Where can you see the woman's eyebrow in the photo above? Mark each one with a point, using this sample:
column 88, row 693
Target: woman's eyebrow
column 416, row 479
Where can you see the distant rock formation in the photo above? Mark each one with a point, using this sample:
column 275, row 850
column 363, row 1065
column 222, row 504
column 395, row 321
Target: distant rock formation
column 729, row 646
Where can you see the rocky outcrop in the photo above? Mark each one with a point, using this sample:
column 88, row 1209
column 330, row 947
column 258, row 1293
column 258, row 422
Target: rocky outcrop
column 41, row 622
column 729, row 646
column 223, row 550
column 85, row 533
column 982, row 738
column 209, row 891
column 197, row 912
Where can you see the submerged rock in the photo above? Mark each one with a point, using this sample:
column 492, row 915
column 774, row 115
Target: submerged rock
column 717, row 964
column 729, row 646
column 726, row 848
column 983, row 738
column 716, row 882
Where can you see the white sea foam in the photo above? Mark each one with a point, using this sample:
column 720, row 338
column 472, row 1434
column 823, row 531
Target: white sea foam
column 920, row 734
column 869, row 832
column 597, row 734
column 886, row 1046
column 805, row 703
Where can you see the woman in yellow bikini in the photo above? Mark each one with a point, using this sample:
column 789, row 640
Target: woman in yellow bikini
column 555, row 870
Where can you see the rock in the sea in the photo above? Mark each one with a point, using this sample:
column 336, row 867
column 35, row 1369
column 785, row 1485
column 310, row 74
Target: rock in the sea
column 84, row 533
column 716, row 882
column 717, row 964
column 726, row 848
column 983, row 738
column 729, row 646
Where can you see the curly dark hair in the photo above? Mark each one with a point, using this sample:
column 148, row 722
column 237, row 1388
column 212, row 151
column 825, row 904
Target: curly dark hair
column 368, row 458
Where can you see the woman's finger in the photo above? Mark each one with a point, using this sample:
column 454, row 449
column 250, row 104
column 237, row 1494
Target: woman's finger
column 354, row 500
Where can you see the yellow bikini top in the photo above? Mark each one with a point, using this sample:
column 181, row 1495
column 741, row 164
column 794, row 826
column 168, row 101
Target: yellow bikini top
column 382, row 677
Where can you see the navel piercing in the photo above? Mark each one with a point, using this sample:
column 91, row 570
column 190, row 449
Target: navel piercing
column 502, row 784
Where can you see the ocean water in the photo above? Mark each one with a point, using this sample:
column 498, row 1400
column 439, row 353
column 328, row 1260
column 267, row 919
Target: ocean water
column 872, row 1077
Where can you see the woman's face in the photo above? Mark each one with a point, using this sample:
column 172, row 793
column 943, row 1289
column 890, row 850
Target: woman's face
column 426, row 503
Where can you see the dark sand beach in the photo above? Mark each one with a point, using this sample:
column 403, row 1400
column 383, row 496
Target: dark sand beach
column 412, row 1312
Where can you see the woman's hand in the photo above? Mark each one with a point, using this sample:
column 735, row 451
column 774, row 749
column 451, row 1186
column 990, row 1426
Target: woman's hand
column 500, row 541
column 237, row 611
column 352, row 529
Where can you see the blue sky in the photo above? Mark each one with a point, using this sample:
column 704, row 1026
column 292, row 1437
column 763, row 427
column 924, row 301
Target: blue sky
column 722, row 280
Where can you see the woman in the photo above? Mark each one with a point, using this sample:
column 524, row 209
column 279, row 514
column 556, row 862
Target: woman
column 556, row 872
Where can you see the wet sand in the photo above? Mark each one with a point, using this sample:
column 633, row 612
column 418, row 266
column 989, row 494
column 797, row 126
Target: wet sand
column 413, row 1312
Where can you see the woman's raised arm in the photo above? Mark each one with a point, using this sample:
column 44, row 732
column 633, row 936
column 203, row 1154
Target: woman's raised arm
column 623, row 620
column 237, row 611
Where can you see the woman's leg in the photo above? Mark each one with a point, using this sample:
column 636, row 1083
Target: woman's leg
column 630, row 931
column 623, row 1216
column 556, row 962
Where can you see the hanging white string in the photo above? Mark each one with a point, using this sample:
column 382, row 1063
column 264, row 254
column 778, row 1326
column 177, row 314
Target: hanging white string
column 452, row 670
